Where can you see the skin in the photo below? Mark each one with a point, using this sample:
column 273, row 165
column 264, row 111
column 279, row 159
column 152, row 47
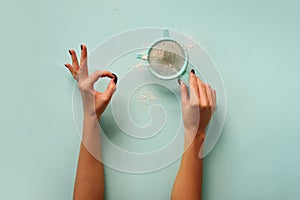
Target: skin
column 198, row 105
column 89, row 182
column 197, row 111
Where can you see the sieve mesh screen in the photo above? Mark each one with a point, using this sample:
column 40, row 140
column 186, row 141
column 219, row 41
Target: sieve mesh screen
column 166, row 58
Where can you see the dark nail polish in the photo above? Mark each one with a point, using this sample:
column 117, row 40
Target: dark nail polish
column 70, row 52
column 66, row 65
column 179, row 81
column 193, row 71
column 81, row 47
column 116, row 78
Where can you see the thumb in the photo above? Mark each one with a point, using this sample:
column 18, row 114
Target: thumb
column 111, row 87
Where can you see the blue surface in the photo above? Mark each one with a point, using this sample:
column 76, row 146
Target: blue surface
column 255, row 45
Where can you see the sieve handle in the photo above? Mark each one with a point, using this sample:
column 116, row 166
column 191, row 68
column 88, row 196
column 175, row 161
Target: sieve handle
column 142, row 56
column 166, row 33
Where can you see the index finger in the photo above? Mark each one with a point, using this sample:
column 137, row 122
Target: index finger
column 194, row 90
column 98, row 74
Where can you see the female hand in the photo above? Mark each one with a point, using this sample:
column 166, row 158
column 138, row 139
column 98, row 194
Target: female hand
column 197, row 108
column 94, row 103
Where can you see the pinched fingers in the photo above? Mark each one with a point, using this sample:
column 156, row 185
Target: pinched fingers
column 98, row 74
column 111, row 87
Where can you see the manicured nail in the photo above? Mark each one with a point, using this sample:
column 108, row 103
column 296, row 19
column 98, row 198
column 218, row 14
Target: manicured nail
column 179, row 81
column 193, row 71
column 70, row 52
column 81, row 47
column 116, row 78
column 66, row 65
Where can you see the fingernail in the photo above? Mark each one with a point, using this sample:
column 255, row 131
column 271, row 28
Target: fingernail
column 81, row 47
column 66, row 65
column 116, row 78
column 179, row 81
column 193, row 71
column 70, row 52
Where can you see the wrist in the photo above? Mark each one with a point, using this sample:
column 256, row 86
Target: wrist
column 194, row 137
column 194, row 133
column 91, row 113
column 192, row 144
column 91, row 116
column 91, row 127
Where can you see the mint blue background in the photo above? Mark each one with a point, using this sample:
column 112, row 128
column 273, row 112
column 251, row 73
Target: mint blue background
column 255, row 44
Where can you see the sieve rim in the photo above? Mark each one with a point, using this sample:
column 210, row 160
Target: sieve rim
column 184, row 66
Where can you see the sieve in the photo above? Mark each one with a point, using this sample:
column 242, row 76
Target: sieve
column 166, row 58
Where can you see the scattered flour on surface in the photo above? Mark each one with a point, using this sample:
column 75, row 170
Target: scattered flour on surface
column 115, row 8
column 191, row 43
column 146, row 97
column 140, row 68
column 191, row 46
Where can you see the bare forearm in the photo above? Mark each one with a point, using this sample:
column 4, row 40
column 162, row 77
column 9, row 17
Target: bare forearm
column 198, row 106
column 188, row 183
column 89, row 183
